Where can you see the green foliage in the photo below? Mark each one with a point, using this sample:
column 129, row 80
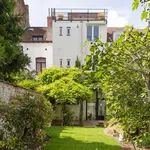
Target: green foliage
column 23, row 119
column 66, row 85
column 145, row 4
column 77, row 63
column 52, row 74
column 11, row 58
column 135, row 4
column 145, row 140
column 67, row 115
column 31, row 84
column 24, row 75
column 66, row 90
column 123, row 70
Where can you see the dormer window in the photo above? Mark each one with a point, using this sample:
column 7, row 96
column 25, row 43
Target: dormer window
column 37, row 38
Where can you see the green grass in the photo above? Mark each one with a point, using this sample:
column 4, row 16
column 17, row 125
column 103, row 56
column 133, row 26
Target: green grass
column 78, row 138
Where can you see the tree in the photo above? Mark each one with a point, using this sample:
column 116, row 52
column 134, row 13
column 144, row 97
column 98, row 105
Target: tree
column 145, row 4
column 11, row 58
column 65, row 85
column 124, row 71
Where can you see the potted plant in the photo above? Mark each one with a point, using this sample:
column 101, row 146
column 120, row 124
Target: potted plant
column 60, row 16
column 101, row 16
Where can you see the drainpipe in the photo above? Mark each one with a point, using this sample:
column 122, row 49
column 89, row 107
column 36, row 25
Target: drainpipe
column 96, row 108
column 86, row 109
column 81, row 42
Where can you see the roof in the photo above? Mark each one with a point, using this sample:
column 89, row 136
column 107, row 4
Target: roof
column 35, row 31
column 110, row 31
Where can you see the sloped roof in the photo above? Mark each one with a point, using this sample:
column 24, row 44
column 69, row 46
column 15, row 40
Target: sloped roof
column 35, row 31
column 110, row 31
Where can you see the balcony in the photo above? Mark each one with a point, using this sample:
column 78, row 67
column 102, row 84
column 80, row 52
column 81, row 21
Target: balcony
column 79, row 14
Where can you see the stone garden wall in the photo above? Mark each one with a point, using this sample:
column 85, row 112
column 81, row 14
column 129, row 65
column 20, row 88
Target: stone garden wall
column 8, row 90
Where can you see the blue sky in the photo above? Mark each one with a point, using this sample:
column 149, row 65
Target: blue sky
column 120, row 11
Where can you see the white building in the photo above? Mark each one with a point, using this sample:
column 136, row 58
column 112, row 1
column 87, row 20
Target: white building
column 70, row 29
column 36, row 45
column 61, row 42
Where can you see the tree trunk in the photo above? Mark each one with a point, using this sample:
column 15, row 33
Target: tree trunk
column 81, row 113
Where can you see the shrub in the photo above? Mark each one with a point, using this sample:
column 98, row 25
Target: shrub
column 144, row 140
column 24, row 119
column 24, row 75
column 31, row 84
column 67, row 115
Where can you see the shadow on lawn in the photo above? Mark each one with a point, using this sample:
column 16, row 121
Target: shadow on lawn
column 68, row 143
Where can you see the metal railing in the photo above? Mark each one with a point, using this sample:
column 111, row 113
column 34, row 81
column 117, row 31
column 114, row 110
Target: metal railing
column 60, row 14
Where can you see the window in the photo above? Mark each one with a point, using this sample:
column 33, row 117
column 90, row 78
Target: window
column 68, row 63
column 68, row 31
column 40, row 64
column 60, row 31
column 96, row 32
column 37, row 38
column 61, row 63
column 89, row 33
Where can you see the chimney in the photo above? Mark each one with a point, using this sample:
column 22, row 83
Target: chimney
column 27, row 16
column 49, row 28
column 49, row 21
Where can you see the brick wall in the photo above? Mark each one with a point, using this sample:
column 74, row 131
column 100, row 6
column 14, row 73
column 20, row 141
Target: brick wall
column 22, row 9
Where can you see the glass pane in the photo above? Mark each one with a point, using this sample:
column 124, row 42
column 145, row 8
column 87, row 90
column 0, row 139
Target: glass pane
column 60, row 31
column 43, row 65
column 96, row 32
column 38, row 67
column 34, row 38
column 60, row 62
column 68, row 62
column 68, row 31
column 40, row 38
column 89, row 33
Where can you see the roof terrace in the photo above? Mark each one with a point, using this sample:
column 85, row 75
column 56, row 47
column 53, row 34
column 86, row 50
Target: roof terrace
column 60, row 14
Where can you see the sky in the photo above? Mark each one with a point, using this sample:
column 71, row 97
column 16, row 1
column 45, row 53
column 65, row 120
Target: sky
column 119, row 11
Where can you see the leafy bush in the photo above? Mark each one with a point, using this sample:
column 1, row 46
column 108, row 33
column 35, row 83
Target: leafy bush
column 24, row 75
column 144, row 140
column 23, row 120
column 31, row 84
column 67, row 115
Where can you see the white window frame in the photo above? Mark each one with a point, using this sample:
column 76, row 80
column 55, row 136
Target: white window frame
column 93, row 30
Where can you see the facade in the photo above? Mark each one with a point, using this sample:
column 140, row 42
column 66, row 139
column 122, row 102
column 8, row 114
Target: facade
column 38, row 48
column 61, row 42
column 70, row 29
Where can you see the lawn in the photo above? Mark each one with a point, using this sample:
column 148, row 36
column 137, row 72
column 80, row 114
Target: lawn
column 80, row 138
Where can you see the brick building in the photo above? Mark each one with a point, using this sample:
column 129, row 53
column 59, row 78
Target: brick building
column 23, row 9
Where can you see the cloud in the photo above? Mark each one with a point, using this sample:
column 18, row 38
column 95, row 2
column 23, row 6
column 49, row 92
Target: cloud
column 116, row 20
